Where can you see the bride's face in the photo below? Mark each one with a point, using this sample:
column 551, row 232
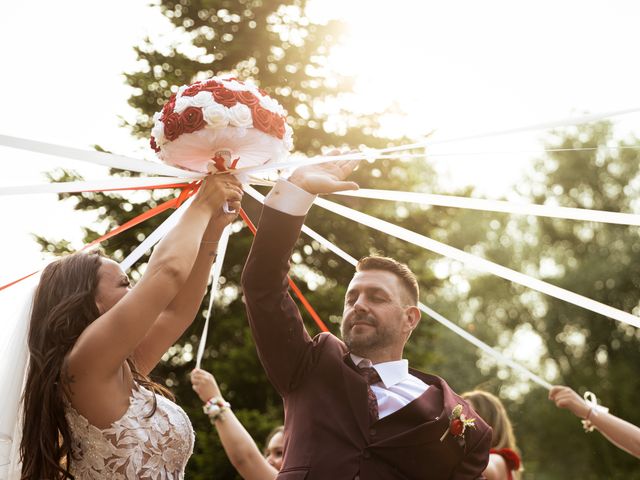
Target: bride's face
column 113, row 284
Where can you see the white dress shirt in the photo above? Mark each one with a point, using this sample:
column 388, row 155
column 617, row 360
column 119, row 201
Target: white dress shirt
column 289, row 198
column 397, row 388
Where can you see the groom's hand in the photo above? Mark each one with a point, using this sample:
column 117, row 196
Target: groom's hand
column 325, row 177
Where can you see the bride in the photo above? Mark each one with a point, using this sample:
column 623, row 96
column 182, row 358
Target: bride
column 89, row 409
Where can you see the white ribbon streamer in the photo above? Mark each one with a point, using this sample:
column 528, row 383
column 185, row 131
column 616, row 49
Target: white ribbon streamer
column 157, row 235
column 479, row 263
column 215, row 277
column 592, row 401
column 433, row 314
column 91, row 185
column 484, row 347
column 566, row 122
column 497, row 206
column 100, row 158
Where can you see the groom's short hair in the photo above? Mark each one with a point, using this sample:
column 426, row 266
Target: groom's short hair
column 405, row 275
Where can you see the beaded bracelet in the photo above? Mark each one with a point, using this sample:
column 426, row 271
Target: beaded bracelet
column 215, row 408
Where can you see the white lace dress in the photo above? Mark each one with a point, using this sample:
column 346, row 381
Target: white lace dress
column 135, row 446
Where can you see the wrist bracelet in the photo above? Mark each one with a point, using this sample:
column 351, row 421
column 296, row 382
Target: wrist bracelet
column 215, row 408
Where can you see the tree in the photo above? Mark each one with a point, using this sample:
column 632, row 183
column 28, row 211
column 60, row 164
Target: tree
column 281, row 49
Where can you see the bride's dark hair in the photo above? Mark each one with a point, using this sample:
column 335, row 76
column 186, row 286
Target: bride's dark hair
column 63, row 306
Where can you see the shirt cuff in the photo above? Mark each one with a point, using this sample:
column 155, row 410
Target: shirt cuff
column 289, row 198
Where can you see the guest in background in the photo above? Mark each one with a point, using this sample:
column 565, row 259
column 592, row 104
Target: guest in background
column 504, row 459
column 621, row 433
column 242, row 451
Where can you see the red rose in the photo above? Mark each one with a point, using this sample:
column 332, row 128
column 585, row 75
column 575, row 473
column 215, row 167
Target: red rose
column 263, row 92
column 154, row 145
column 277, row 126
column 192, row 119
column 261, row 118
column 212, row 85
column 167, row 109
column 173, row 126
column 224, row 97
column 192, row 90
column 457, row 427
column 248, row 98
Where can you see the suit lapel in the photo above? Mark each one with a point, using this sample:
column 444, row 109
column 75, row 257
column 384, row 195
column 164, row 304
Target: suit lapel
column 356, row 388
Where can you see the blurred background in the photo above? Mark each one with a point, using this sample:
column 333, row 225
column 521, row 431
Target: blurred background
column 375, row 73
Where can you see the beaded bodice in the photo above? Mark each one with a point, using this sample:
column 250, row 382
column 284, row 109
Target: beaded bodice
column 136, row 445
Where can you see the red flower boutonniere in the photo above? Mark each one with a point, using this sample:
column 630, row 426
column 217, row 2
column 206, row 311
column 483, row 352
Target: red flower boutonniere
column 458, row 423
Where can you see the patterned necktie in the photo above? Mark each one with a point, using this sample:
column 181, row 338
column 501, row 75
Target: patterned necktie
column 365, row 368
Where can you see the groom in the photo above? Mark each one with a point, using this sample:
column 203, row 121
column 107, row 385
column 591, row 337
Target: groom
column 353, row 409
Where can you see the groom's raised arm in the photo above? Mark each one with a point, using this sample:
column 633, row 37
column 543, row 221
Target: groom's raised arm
column 283, row 344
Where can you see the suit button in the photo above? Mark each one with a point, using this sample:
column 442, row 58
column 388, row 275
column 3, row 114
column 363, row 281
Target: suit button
column 366, row 454
column 372, row 432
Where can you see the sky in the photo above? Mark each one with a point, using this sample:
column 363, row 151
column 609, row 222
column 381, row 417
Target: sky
column 454, row 67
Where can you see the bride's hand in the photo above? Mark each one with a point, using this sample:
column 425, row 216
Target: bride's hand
column 218, row 189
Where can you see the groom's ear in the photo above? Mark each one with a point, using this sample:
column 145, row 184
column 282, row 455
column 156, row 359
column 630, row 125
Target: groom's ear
column 413, row 317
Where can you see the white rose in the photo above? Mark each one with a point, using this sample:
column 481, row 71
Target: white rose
column 182, row 104
column 250, row 87
column 288, row 136
column 233, row 85
column 202, row 99
column 273, row 106
column 216, row 115
column 181, row 91
column 240, row 116
column 157, row 116
column 158, row 133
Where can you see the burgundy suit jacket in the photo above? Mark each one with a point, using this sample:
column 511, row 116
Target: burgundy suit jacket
column 328, row 435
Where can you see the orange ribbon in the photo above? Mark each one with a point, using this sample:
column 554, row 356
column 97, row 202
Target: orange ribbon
column 186, row 192
column 292, row 284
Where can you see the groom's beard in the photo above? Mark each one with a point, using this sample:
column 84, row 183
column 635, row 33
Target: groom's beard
column 362, row 340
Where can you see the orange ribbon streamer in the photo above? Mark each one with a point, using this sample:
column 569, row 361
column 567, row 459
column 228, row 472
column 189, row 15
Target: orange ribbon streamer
column 292, row 284
column 187, row 191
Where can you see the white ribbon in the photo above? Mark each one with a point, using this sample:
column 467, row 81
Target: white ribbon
column 433, row 314
column 157, row 235
column 566, row 122
column 215, row 277
column 100, row 158
column 497, row 206
column 479, row 263
column 91, row 185
column 592, row 401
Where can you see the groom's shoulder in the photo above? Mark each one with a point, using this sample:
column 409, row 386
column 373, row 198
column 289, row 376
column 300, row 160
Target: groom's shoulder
column 330, row 342
column 329, row 347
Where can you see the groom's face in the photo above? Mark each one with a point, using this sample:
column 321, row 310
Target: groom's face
column 374, row 312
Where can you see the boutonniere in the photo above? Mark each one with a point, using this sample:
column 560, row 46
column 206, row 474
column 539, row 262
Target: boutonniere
column 458, row 423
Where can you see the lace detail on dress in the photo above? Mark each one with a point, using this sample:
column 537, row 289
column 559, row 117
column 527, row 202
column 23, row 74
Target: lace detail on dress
column 135, row 446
